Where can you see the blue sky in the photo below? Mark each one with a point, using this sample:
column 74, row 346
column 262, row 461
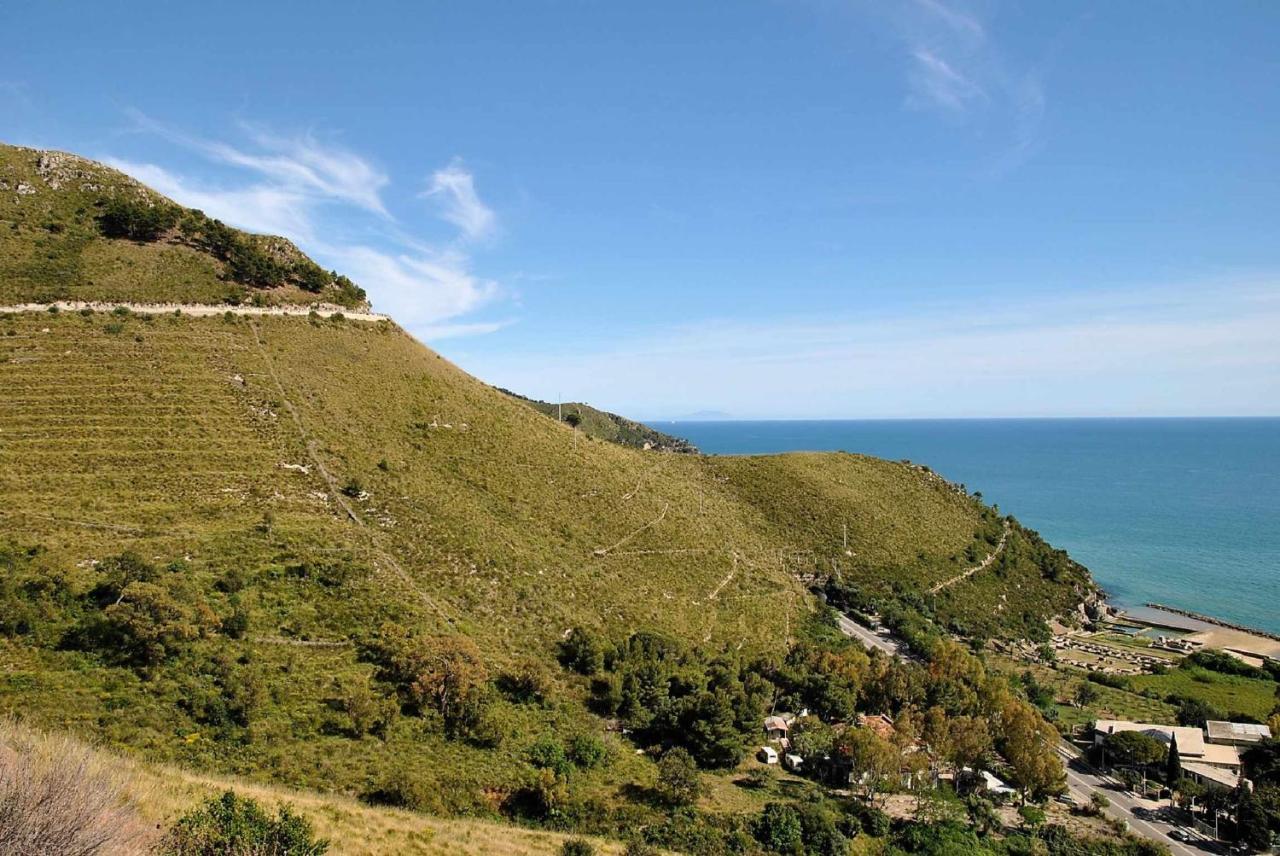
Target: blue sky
column 776, row 209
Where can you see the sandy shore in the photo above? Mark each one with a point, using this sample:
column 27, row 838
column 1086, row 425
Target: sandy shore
column 1207, row 634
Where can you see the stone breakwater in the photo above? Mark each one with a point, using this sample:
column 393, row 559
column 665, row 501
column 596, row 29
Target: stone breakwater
column 1209, row 619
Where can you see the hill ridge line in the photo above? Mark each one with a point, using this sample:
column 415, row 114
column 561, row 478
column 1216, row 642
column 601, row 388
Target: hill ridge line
column 324, row 310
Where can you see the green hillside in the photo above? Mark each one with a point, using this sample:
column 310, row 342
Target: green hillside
column 604, row 425
column 76, row 230
column 315, row 553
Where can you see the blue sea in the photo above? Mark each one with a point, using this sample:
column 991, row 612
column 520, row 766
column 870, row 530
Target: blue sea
column 1184, row 512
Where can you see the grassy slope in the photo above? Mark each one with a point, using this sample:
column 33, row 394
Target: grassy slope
column 159, row 794
column 50, row 247
column 219, row 446
column 604, row 425
column 171, row 437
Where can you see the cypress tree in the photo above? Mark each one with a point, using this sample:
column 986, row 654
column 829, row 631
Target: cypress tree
column 1173, row 764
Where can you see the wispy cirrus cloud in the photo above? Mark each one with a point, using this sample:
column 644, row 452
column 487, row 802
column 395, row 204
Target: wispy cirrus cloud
column 454, row 188
column 935, row 82
column 956, row 68
column 329, row 200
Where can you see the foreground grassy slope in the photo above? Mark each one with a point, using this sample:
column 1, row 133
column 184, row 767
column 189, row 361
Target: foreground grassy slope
column 52, row 248
column 154, row 796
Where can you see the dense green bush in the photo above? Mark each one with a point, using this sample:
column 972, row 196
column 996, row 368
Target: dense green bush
column 231, row 825
column 577, row 847
column 136, row 219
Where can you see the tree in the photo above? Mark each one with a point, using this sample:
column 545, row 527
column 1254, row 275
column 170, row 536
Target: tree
column 1251, row 821
column 1086, row 694
column 136, row 219
column 712, row 732
column 232, row 824
column 1134, row 749
column 582, row 651
column 971, row 743
column 450, row 675
column 678, row 780
column 778, row 829
column 872, row 759
column 574, row 419
column 1028, row 743
column 1193, row 713
column 1173, row 764
column 149, row 624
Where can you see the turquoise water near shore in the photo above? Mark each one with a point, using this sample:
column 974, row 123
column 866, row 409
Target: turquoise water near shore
column 1184, row 512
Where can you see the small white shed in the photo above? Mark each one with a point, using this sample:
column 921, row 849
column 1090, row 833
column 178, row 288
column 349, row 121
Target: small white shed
column 767, row 755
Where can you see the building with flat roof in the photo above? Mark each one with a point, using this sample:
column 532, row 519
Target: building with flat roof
column 1236, row 733
column 1216, row 759
column 1190, row 740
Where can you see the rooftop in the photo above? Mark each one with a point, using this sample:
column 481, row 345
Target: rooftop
column 1236, row 732
column 1190, row 740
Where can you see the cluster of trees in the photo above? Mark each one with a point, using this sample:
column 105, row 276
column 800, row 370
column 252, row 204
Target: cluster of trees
column 948, row 707
column 137, row 219
column 670, row 694
column 246, row 259
column 445, row 675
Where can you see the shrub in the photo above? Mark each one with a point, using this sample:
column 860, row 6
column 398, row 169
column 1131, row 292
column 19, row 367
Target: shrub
column 55, row 799
column 678, row 781
column 582, row 651
column 875, row 822
column 577, row 847
column 402, row 789
column 230, row 825
column 547, row 753
column 778, row 829
column 587, row 751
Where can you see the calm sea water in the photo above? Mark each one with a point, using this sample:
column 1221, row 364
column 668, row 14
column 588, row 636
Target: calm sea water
column 1184, row 512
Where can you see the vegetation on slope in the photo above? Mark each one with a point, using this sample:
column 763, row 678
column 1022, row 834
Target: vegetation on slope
column 73, row 229
column 604, row 425
column 282, row 509
column 315, row 553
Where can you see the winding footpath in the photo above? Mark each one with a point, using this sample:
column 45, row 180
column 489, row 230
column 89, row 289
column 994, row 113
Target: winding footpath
column 981, row 566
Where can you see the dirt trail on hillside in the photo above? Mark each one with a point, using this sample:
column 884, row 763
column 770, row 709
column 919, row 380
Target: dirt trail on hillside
column 324, row 310
column 982, row 566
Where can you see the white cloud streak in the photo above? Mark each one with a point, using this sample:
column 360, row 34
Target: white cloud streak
column 454, row 188
column 319, row 196
column 955, row 68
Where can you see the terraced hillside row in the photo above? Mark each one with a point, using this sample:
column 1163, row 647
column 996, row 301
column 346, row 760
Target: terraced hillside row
column 177, row 432
column 321, row 497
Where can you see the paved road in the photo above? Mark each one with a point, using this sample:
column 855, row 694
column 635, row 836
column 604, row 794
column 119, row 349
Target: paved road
column 1082, row 781
column 868, row 638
